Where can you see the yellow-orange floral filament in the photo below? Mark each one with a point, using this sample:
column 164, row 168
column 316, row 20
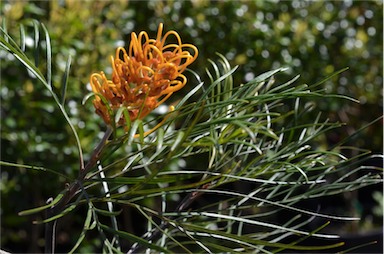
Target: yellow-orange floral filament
column 143, row 78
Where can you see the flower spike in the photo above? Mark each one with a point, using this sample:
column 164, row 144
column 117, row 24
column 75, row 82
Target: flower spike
column 143, row 78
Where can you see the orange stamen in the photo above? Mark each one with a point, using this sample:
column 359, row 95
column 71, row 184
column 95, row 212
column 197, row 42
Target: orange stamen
column 143, row 77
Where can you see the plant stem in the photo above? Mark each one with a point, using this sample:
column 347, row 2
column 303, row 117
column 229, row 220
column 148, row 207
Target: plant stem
column 72, row 190
column 50, row 234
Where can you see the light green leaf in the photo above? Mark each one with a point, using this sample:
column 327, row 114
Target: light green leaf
column 134, row 239
column 41, row 208
column 86, row 227
column 64, row 82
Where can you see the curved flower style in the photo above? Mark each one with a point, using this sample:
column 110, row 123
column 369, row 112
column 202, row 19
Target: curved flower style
column 143, row 78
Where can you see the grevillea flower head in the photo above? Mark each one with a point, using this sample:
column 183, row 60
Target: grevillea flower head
column 144, row 77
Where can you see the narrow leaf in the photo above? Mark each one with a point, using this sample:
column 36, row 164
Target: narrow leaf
column 134, row 239
column 41, row 208
column 4, row 27
column 159, row 139
column 267, row 75
column 232, row 237
column 22, row 37
column 86, row 227
column 66, row 211
column 10, row 164
column 329, row 77
column 107, row 213
column 190, row 94
column 37, row 40
column 49, row 56
column 64, row 82
column 179, row 138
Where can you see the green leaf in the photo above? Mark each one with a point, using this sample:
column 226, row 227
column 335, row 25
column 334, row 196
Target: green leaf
column 64, row 82
column 329, row 77
column 135, row 180
column 49, row 56
column 107, row 213
column 216, row 234
column 41, row 208
column 37, row 42
column 86, row 227
column 266, row 75
column 4, row 27
column 135, row 239
column 180, row 137
column 160, row 139
column 189, row 95
column 61, row 214
column 22, row 38
column 10, row 164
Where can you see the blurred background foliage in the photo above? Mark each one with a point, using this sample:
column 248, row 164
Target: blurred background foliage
column 313, row 39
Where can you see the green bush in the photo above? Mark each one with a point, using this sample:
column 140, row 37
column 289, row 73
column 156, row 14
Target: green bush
column 314, row 39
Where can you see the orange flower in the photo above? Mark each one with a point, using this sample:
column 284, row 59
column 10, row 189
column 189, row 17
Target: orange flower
column 143, row 78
